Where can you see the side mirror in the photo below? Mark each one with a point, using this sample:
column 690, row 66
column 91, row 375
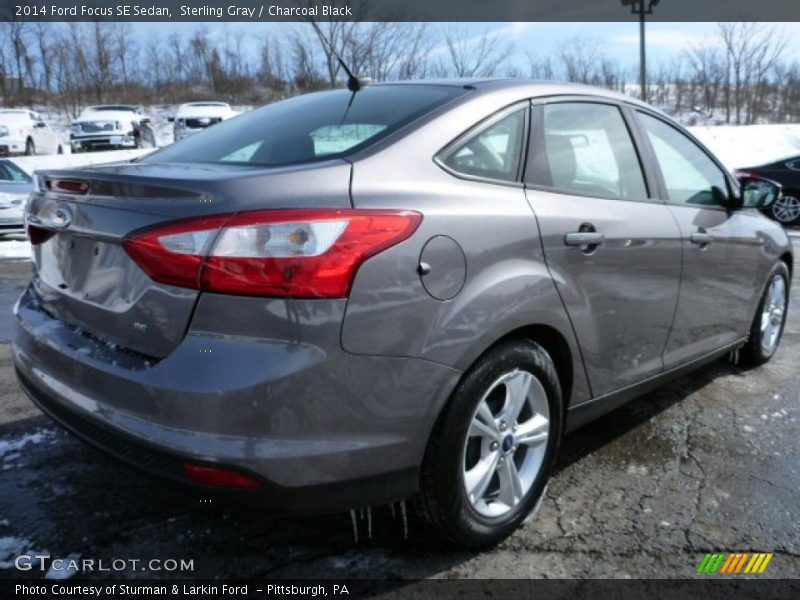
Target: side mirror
column 759, row 193
column 40, row 125
column 171, row 119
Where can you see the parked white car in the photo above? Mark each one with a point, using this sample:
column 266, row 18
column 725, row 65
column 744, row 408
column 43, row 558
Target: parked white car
column 24, row 131
column 196, row 116
column 111, row 126
column 15, row 187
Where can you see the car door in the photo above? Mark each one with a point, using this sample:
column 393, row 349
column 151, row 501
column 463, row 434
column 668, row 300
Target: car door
column 613, row 248
column 720, row 278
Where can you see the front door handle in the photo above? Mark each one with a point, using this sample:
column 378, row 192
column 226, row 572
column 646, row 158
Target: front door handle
column 584, row 238
column 701, row 238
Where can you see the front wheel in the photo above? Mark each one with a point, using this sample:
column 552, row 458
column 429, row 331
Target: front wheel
column 493, row 448
column 767, row 328
column 30, row 148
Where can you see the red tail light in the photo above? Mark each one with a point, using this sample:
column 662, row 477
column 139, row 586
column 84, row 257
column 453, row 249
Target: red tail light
column 219, row 477
column 71, row 186
column 285, row 253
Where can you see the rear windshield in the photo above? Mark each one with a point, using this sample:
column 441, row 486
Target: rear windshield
column 309, row 127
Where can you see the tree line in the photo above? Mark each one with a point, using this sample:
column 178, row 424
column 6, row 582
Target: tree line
column 741, row 75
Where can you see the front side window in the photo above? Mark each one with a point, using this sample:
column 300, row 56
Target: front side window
column 690, row 175
column 309, row 127
column 493, row 152
column 586, row 149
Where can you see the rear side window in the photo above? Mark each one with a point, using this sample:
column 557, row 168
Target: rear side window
column 586, row 149
column 690, row 175
column 492, row 152
column 310, row 127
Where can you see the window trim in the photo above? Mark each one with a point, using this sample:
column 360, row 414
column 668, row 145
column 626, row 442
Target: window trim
column 537, row 118
column 480, row 127
column 656, row 165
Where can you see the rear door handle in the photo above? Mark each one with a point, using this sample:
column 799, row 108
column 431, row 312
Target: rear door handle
column 701, row 238
column 584, row 238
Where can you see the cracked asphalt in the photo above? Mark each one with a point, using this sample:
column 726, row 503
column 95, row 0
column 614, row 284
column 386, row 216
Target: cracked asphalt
column 706, row 463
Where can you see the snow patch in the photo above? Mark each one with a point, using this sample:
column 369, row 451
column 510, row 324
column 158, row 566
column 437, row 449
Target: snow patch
column 11, row 547
column 15, row 249
column 7, row 447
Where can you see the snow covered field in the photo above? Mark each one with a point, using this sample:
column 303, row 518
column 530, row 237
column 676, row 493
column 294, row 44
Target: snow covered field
column 741, row 146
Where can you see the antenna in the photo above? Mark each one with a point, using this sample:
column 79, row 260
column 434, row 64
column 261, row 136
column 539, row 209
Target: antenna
column 353, row 83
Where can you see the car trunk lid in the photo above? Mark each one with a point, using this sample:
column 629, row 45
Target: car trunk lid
column 86, row 278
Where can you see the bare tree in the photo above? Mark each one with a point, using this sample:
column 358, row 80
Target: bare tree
column 470, row 55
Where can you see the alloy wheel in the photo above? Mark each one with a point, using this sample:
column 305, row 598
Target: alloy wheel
column 786, row 209
column 772, row 314
column 506, row 443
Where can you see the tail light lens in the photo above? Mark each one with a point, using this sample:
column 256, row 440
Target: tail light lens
column 284, row 253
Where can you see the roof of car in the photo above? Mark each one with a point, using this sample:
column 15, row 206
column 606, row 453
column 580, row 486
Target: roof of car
column 534, row 87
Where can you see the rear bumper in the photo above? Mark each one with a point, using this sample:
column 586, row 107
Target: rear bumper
column 301, row 418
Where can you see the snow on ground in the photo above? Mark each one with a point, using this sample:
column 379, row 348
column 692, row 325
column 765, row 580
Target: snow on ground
column 65, row 161
column 750, row 145
column 15, row 249
column 19, row 443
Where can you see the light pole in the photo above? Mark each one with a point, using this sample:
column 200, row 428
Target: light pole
column 637, row 7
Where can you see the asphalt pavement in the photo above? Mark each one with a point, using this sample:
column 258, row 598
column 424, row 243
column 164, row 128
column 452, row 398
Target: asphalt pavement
column 706, row 463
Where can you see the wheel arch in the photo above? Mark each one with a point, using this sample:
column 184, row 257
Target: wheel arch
column 787, row 258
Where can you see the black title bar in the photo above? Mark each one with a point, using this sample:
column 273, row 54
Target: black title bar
column 397, row 10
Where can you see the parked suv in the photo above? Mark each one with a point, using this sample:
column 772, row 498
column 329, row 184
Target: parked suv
column 348, row 298
column 196, row 116
column 25, row 132
column 111, row 126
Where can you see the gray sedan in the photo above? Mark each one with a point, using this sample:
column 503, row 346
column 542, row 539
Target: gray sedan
column 15, row 187
column 354, row 297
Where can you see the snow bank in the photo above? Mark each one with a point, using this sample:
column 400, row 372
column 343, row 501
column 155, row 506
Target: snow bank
column 65, row 161
column 750, row 145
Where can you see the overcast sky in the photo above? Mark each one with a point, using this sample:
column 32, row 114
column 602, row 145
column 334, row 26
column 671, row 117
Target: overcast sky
column 620, row 40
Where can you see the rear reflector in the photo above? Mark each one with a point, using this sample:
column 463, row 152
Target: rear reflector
column 283, row 253
column 219, row 477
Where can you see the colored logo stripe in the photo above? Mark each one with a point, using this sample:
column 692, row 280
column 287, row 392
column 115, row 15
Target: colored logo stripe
column 734, row 563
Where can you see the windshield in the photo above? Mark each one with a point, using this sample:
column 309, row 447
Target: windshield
column 309, row 127
column 11, row 172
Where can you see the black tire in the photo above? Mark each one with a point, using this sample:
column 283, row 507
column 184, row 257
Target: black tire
column 30, row 148
column 754, row 352
column 443, row 499
column 60, row 149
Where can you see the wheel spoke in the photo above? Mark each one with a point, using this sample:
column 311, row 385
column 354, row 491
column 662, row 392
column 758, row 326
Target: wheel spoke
column 477, row 479
column 518, row 387
column 480, row 429
column 510, row 483
column 484, row 417
column 533, row 432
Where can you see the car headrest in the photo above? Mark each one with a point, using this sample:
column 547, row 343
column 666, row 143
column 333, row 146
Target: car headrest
column 561, row 159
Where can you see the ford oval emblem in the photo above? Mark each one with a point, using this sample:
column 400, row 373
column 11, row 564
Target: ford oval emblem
column 62, row 217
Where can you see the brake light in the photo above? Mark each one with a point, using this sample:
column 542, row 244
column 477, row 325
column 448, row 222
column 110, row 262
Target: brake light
column 284, row 253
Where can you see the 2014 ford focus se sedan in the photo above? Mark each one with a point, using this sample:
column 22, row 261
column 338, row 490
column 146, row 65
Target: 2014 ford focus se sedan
column 348, row 298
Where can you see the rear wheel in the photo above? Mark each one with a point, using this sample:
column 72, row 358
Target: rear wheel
column 30, row 148
column 767, row 328
column 60, row 149
column 786, row 210
column 493, row 448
